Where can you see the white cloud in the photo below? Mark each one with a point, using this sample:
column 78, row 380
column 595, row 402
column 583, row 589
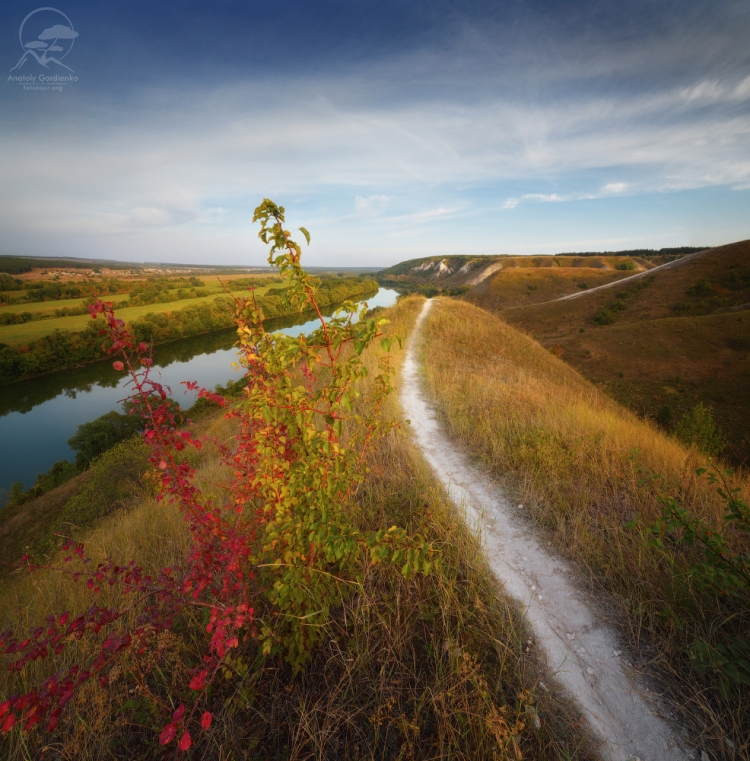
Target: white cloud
column 370, row 205
column 153, row 216
column 612, row 188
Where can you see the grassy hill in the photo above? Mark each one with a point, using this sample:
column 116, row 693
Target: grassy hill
column 590, row 476
column 436, row 666
column 433, row 666
column 522, row 285
column 662, row 341
column 522, row 279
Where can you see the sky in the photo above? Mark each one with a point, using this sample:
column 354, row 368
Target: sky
column 390, row 130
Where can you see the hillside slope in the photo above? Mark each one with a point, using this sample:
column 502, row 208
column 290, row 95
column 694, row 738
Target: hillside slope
column 588, row 475
column 500, row 281
column 422, row 668
column 663, row 342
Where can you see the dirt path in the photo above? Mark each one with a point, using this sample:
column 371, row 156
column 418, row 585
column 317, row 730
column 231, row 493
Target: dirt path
column 676, row 263
column 581, row 649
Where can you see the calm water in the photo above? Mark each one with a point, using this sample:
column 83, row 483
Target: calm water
column 38, row 416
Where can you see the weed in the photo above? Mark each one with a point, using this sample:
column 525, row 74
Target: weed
column 604, row 317
column 697, row 428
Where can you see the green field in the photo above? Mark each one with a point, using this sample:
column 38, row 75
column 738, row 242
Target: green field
column 14, row 335
column 42, row 307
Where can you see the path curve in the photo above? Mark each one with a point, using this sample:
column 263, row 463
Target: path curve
column 580, row 648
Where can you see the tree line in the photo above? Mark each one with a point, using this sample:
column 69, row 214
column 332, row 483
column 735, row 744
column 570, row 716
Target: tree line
column 61, row 349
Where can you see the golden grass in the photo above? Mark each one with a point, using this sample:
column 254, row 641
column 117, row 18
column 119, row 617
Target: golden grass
column 521, row 286
column 650, row 345
column 426, row 668
column 582, row 465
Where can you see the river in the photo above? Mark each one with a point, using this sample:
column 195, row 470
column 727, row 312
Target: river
column 38, row 416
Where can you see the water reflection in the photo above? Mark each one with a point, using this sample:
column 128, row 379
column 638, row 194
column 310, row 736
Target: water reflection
column 39, row 415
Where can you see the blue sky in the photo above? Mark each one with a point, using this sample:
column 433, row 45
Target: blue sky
column 391, row 129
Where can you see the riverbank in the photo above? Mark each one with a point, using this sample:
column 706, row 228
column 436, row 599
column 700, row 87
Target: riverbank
column 433, row 666
column 39, row 415
column 62, row 349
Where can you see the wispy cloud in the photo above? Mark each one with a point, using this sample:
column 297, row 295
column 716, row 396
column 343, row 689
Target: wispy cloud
column 370, row 205
column 478, row 116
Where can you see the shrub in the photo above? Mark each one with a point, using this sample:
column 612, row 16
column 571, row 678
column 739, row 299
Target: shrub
column 282, row 535
column 58, row 474
column 665, row 416
column 8, row 283
column 457, row 290
column 702, row 288
column 116, row 474
column 625, row 266
column 604, row 317
column 93, row 439
column 722, row 569
column 697, row 428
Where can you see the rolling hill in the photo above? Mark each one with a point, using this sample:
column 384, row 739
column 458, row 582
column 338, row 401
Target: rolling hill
column 659, row 342
column 502, row 281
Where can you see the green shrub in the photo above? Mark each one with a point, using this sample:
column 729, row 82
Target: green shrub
column 94, row 438
column 459, row 290
column 625, row 266
column 117, row 475
column 604, row 317
column 697, row 428
column 665, row 416
column 58, row 474
column 722, row 569
column 702, row 288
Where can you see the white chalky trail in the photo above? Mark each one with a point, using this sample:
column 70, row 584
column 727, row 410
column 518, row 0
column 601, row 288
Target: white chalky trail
column 579, row 647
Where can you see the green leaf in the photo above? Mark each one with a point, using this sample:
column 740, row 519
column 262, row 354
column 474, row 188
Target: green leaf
column 306, row 234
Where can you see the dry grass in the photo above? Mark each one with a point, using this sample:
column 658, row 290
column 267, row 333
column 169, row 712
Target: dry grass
column 22, row 526
column 521, row 286
column 427, row 668
column 582, row 465
column 662, row 337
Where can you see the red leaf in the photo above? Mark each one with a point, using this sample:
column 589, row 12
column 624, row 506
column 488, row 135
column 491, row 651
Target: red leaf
column 199, row 680
column 168, row 734
column 10, row 720
column 206, row 720
column 185, row 741
column 118, row 366
column 179, row 713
